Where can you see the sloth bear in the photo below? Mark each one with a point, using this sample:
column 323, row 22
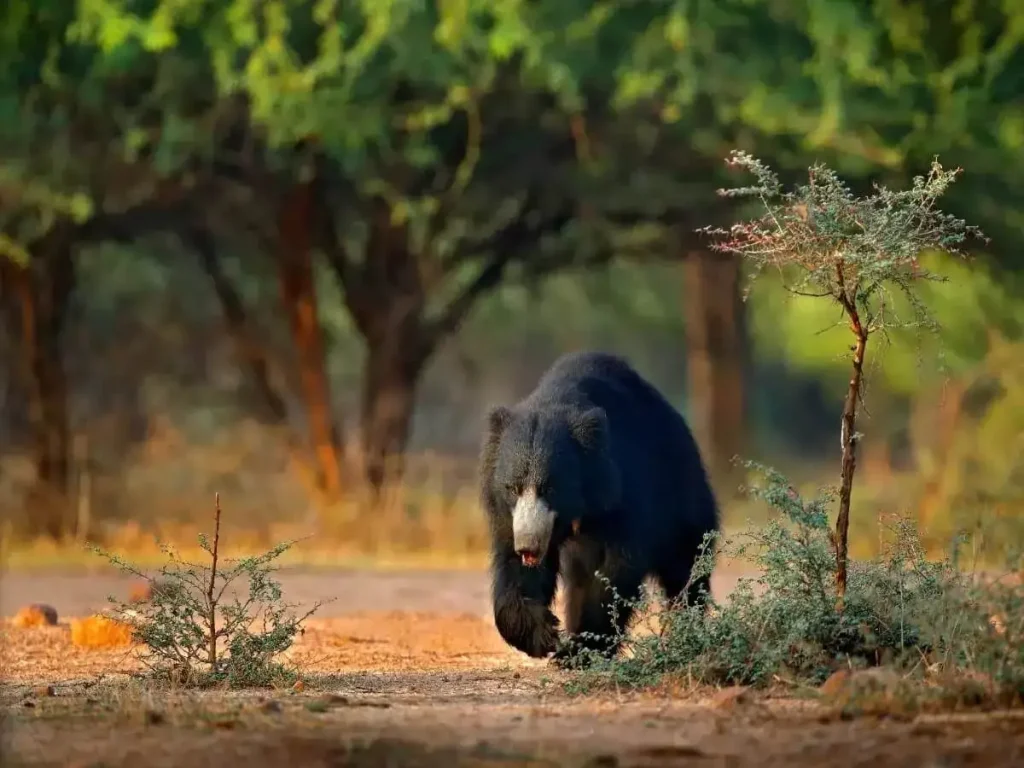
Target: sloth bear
column 594, row 471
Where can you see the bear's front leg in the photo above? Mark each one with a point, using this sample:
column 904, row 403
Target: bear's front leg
column 595, row 622
column 522, row 599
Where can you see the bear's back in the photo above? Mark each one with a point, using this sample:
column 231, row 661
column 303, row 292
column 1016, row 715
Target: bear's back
column 608, row 381
column 664, row 480
column 646, row 429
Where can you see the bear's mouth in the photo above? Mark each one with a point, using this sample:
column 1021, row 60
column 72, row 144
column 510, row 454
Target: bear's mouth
column 530, row 558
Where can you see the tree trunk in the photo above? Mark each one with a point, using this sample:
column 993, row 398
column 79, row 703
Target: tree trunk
column 391, row 376
column 254, row 356
column 298, row 296
column 849, row 441
column 715, row 348
column 43, row 290
column 386, row 294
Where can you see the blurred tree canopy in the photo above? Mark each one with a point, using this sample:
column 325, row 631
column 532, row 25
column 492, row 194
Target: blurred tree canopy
column 422, row 154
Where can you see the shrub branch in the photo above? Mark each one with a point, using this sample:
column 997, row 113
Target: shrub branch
column 211, row 602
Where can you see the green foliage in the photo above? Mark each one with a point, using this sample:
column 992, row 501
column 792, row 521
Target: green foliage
column 196, row 634
column 419, row 104
column 930, row 620
column 40, row 178
column 829, row 243
column 980, row 477
column 973, row 299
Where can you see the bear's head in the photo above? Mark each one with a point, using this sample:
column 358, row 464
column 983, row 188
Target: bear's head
column 549, row 470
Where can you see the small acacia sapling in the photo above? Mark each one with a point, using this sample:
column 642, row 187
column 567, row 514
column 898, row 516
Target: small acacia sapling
column 197, row 629
column 857, row 252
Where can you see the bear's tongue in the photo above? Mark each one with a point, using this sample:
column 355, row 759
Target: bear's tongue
column 530, row 559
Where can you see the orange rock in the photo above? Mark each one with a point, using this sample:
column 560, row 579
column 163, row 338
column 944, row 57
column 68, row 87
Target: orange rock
column 836, row 683
column 100, row 632
column 36, row 615
column 143, row 591
column 730, row 698
column 140, row 592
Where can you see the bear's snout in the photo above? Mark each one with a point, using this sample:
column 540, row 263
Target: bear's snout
column 532, row 524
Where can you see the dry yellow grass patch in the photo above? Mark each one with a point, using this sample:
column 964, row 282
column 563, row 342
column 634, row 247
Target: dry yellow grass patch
column 100, row 632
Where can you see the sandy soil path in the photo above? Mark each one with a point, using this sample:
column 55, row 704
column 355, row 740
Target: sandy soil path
column 78, row 594
column 406, row 669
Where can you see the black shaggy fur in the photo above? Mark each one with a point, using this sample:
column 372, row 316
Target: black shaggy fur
column 604, row 448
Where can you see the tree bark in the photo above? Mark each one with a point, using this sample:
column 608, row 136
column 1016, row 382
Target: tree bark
column 849, row 442
column 298, row 296
column 714, row 321
column 387, row 294
column 391, row 315
column 257, row 361
column 42, row 291
column 848, row 437
column 391, row 377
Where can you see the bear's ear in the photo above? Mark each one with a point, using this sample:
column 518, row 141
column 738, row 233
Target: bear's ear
column 590, row 428
column 497, row 419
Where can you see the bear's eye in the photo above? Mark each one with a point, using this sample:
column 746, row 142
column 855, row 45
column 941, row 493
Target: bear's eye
column 514, row 488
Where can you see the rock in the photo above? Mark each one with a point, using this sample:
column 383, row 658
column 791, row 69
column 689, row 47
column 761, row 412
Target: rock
column 153, row 717
column 730, row 698
column 143, row 591
column 877, row 691
column 836, row 682
column 140, row 592
column 44, row 691
column 36, row 615
column 848, row 682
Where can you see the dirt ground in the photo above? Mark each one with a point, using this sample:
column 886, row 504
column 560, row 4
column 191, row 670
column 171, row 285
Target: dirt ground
column 406, row 669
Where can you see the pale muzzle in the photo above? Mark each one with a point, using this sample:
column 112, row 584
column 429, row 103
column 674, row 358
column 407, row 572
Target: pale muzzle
column 532, row 524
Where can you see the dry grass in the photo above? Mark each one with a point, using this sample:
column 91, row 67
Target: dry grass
column 101, row 632
column 43, row 556
column 417, row 527
column 163, row 488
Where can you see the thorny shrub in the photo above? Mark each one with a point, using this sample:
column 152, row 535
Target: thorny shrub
column 934, row 622
column 858, row 253
column 195, row 633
